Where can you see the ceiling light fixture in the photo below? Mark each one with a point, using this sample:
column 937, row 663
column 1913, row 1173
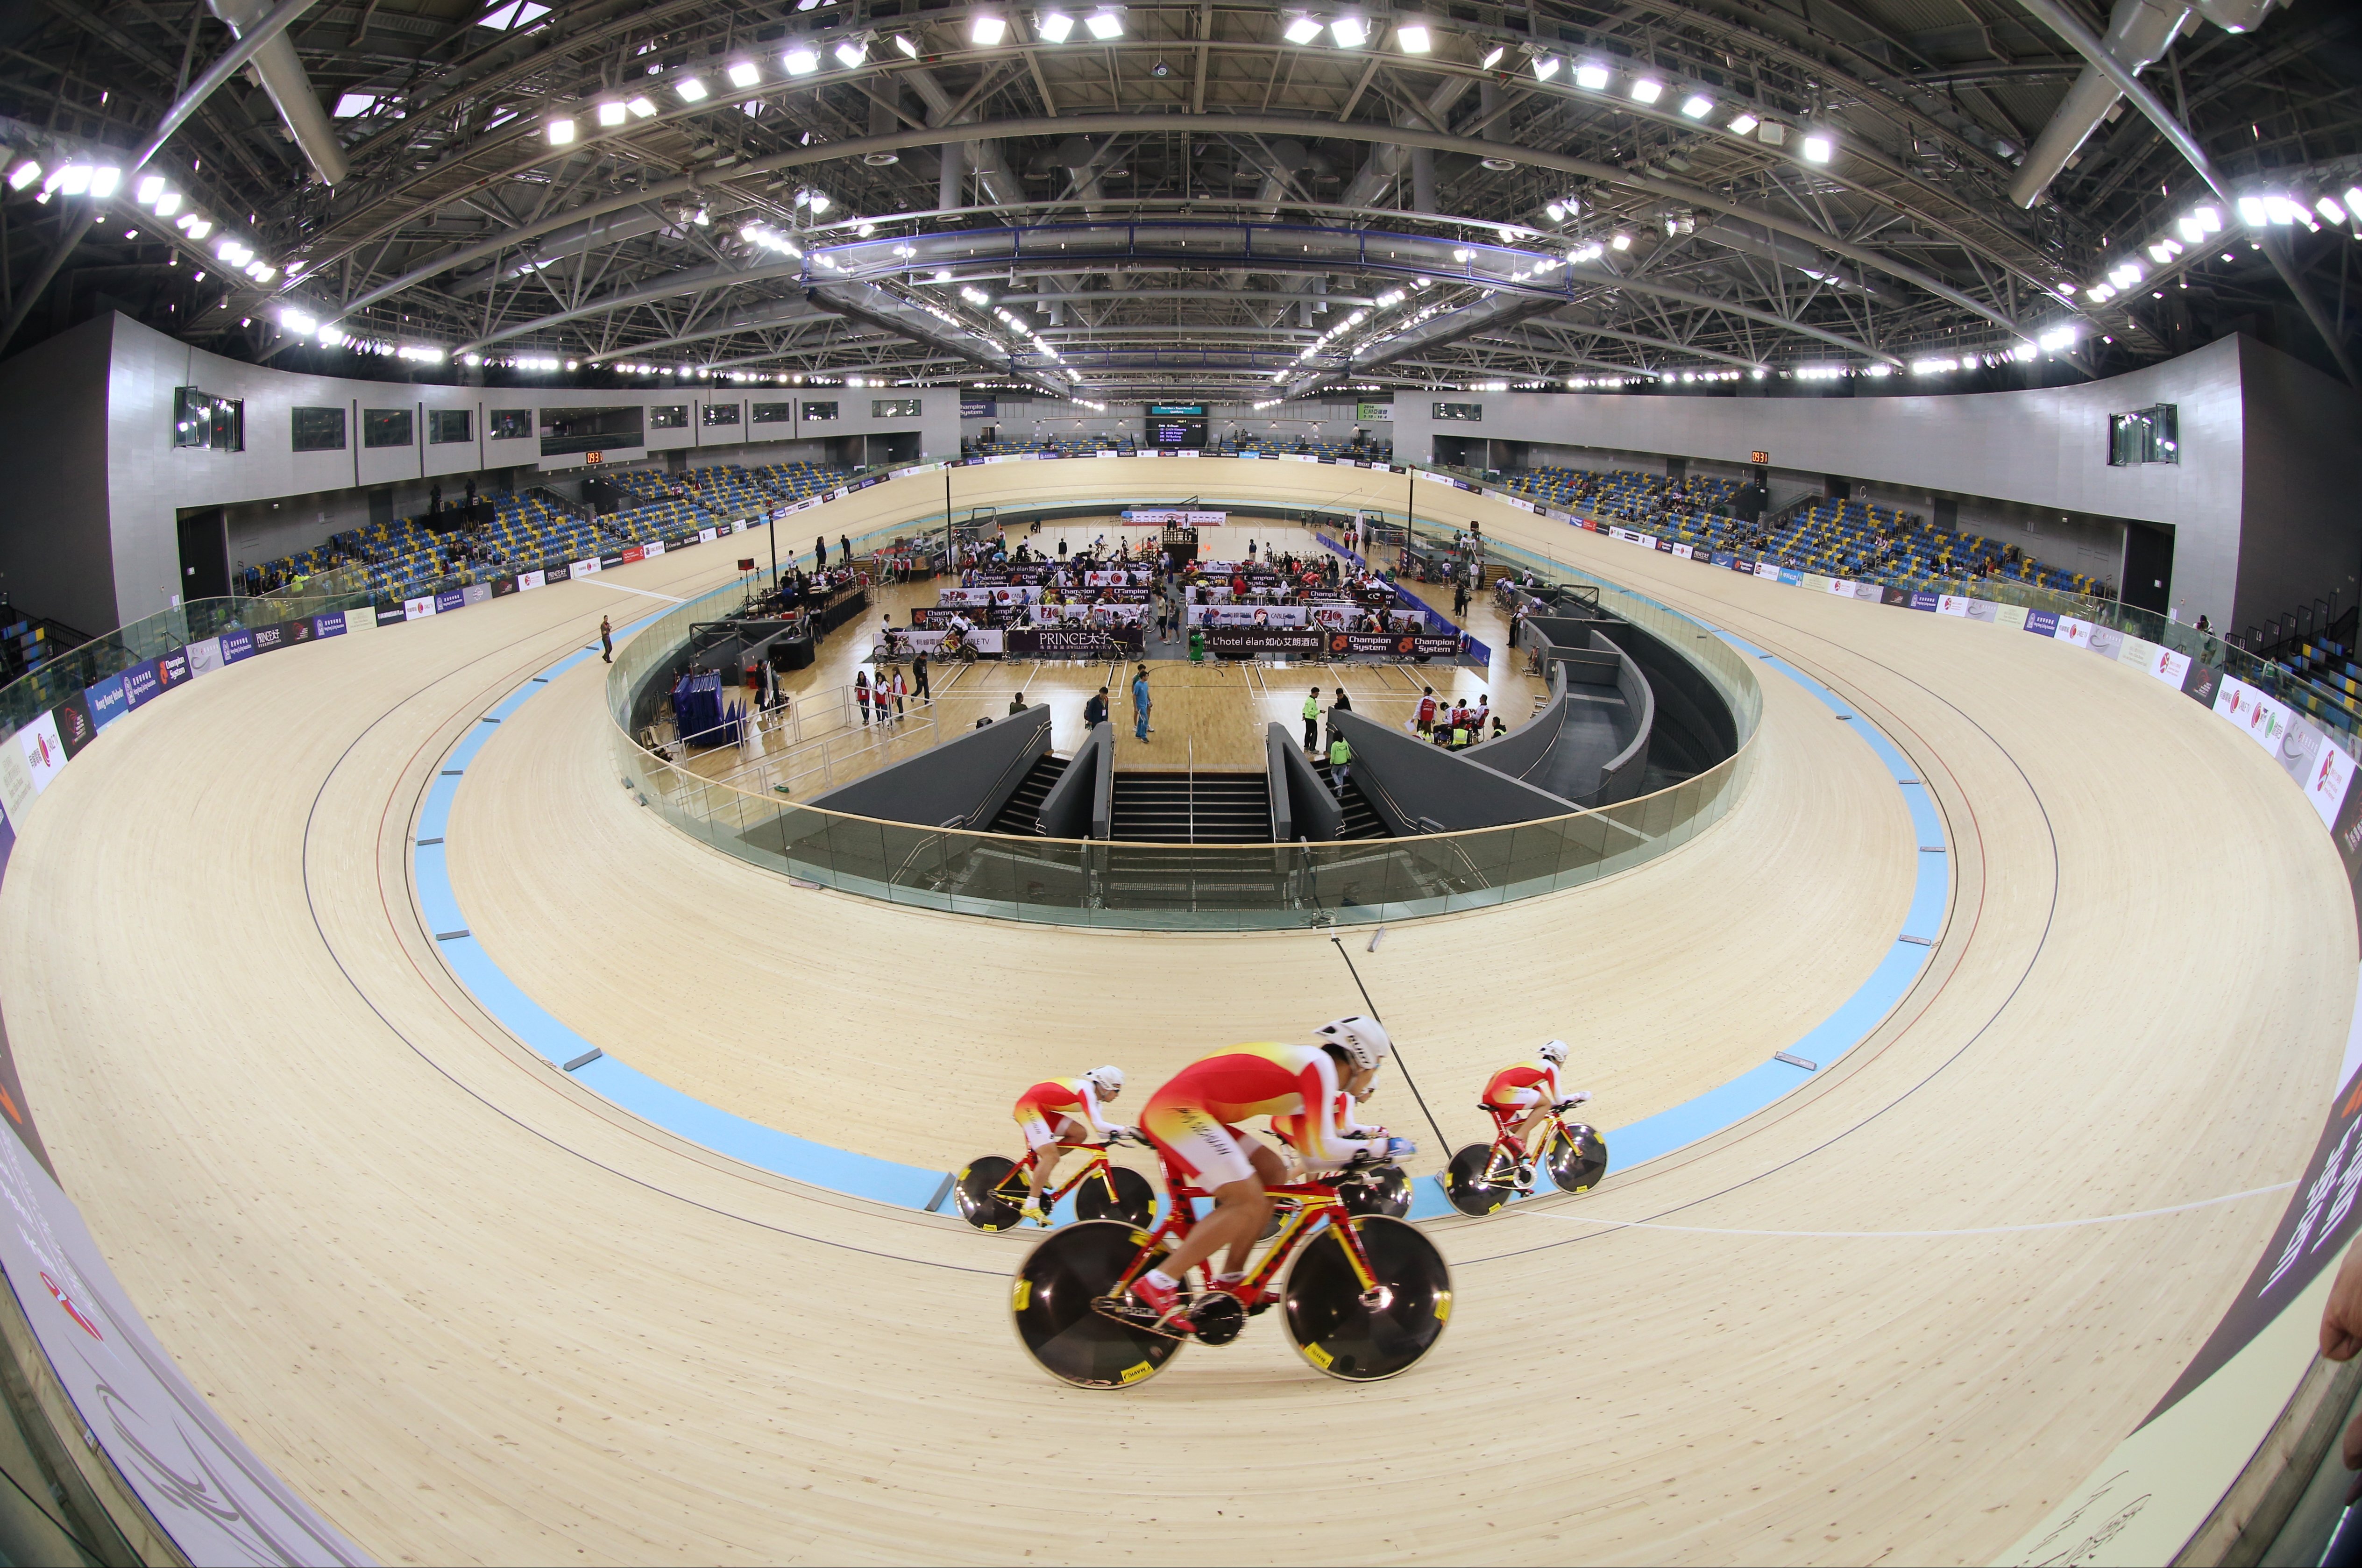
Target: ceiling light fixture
column 1592, row 76
column 1351, row 32
column 1412, row 38
column 1545, row 67
column 1493, row 58
column 1104, row 26
column 1646, row 90
column 800, row 59
column 909, row 50
column 744, row 75
column 1743, row 123
column 852, row 52
column 690, row 89
column 986, row 30
column 1053, row 26
column 1696, row 106
column 560, row 132
column 1818, row 148
column 642, row 108
column 1301, row 30
column 611, row 114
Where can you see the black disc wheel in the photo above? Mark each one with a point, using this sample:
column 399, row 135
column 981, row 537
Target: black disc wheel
column 1578, row 1158
column 1133, row 1202
column 1381, row 1190
column 1051, row 1301
column 1363, row 1336
column 1464, row 1183
column 976, row 1190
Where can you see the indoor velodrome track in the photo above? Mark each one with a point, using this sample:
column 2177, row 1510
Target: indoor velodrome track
column 471, row 1311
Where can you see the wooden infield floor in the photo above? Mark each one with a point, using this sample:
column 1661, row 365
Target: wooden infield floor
column 475, row 1313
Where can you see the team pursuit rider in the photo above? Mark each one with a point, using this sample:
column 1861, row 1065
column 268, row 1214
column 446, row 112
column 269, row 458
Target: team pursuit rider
column 1532, row 1088
column 1193, row 1121
column 1059, row 1114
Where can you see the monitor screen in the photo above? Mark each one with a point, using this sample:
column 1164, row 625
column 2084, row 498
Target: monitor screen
column 1179, row 425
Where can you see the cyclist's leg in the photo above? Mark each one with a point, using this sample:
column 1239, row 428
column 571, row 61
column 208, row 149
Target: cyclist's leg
column 1040, row 1144
column 1271, row 1171
column 1212, row 1156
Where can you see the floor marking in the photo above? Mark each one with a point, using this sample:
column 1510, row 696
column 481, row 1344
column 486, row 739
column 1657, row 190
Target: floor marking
column 1910, row 1235
column 646, row 592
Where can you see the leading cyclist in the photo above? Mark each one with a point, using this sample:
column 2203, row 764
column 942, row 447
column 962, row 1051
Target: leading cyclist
column 1193, row 1121
column 1059, row 1114
column 1532, row 1088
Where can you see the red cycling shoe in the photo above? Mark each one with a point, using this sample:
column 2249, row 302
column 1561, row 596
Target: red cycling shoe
column 1165, row 1300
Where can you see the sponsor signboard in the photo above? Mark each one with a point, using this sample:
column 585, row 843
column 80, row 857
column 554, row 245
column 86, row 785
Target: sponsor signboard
column 204, row 657
column 653, row 548
column 43, row 749
column 1767, row 570
column 2327, row 778
column 1791, row 579
column 984, row 639
column 418, row 609
column 2074, row 633
column 235, row 646
column 2264, row 718
column 1159, row 517
column 392, row 612
column 587, row 567
column 2199, row 683
column 2042, row 622
column 1926, row 602
column 296, row 631
column 475, row 593
column 1685, row 552
column 329, row 625
column 107, row 701
column 633, row 553
column 450, row 598
column 527, row 581
column 2169, row 666
column 705, row 535
column 141, row 683
column 1079, row 641
column 1724, row 559
column 268, row 639
column 1952, row 604
column 173, row 669
column 1894, row 596
column 503, row 587
column 2107, row 641
column 74, row 727
column 614, row 558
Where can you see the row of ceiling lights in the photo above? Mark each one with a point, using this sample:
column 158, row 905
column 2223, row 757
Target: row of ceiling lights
column 81, row 178
column 2195, row 228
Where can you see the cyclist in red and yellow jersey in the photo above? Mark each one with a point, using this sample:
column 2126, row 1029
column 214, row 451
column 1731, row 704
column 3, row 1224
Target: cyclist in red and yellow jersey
column 1193, row 1121
column 1532, row 1087
column 1059, row 1114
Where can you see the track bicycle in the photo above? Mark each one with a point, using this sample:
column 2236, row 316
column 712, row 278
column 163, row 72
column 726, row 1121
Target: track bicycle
column 993, row 1189
column 1364, row 1298
column 1481, row 1178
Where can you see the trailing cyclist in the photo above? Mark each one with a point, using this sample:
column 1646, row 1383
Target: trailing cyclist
column 1059, row 1114
column 1531, row 1087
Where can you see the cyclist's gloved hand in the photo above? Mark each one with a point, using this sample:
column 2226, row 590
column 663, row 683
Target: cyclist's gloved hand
column 1397, row 1149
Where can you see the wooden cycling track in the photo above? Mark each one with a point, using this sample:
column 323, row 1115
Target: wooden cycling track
column 475, row 1313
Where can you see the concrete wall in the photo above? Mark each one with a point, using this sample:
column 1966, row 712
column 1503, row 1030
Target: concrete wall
column 970, row 777
column 54, row 555
column 1406, row 779
column 2303, row 521
column 2045, row 448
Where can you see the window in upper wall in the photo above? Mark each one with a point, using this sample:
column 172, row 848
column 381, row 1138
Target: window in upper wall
column 385, row 426
column 668, row 416
column 510, row 423
column 820, row 411
column 774, row 413
column 719, row 413
column 1470, row 411
column 445, row 426
column 202, row 420
column 893, row 408
column 319, row 429
column 2151, row 435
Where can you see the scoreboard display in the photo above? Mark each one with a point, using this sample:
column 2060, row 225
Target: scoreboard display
column 1177, row 425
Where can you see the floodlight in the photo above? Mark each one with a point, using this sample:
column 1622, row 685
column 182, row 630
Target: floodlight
column 909, row 49
column 800, row 59
column 1646, row 90
column 1302, row 30
column 851, row 52
column 1493, row 58
column 1743, row 123
column 744, row 75
column 1592, row 76
column 1411, row 37
column 1351, row 32
column 168, row 204
column 986, row 30
column 641, row 108
column 74, row 179
column 560, row 131
column 1545, row 67
column 1818, row 148
column 1053, row 27
column 24, row 174
column 1104, row 25
column 148, row 190
column 2252, row 212
column 691, row 90
column 1696, row 106
column 611, row 114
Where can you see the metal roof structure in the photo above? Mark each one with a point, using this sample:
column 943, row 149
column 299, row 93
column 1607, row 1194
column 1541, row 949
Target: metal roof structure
column 1230, row 200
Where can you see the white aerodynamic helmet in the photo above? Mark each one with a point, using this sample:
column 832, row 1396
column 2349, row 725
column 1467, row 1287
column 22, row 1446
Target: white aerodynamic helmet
column 1107, row 1081
column 1363, row 1039
column 1554, row 1052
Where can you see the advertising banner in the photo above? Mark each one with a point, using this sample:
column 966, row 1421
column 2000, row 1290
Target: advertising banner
column 2010, row 617
column 1081, row 641
column 652, row 549
column 1982, row 609
column 392, row 612
column 503, row 587
column 1790, row 579
column 450, row 598
column 16, row 791
column 44, row 750
column 1926, row 602
column 2164, row 664
column 173, row 669
column 296, row 631
column 2201, row 682
column 1261, row 642
column 268, row 639
column 107, row 701
column 1686, row 552
column 1768, row 570
column 418, row 609
column 2264, row 719
column 141, row 683
column 2075, row 634
column 1153, row 516
column 235, row 646
column 476, row 593
column 706, row 535
column 983, row 639
column 204, row 657
column 75, row 728
column 1952, row 604
column 1724, row 559
column 2107, row 641
column 631, row 553
column 614, row 558
column 331, row 624
column 586, row 569
column 2042, row 622
column 1868, row 590
column 527, row 581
